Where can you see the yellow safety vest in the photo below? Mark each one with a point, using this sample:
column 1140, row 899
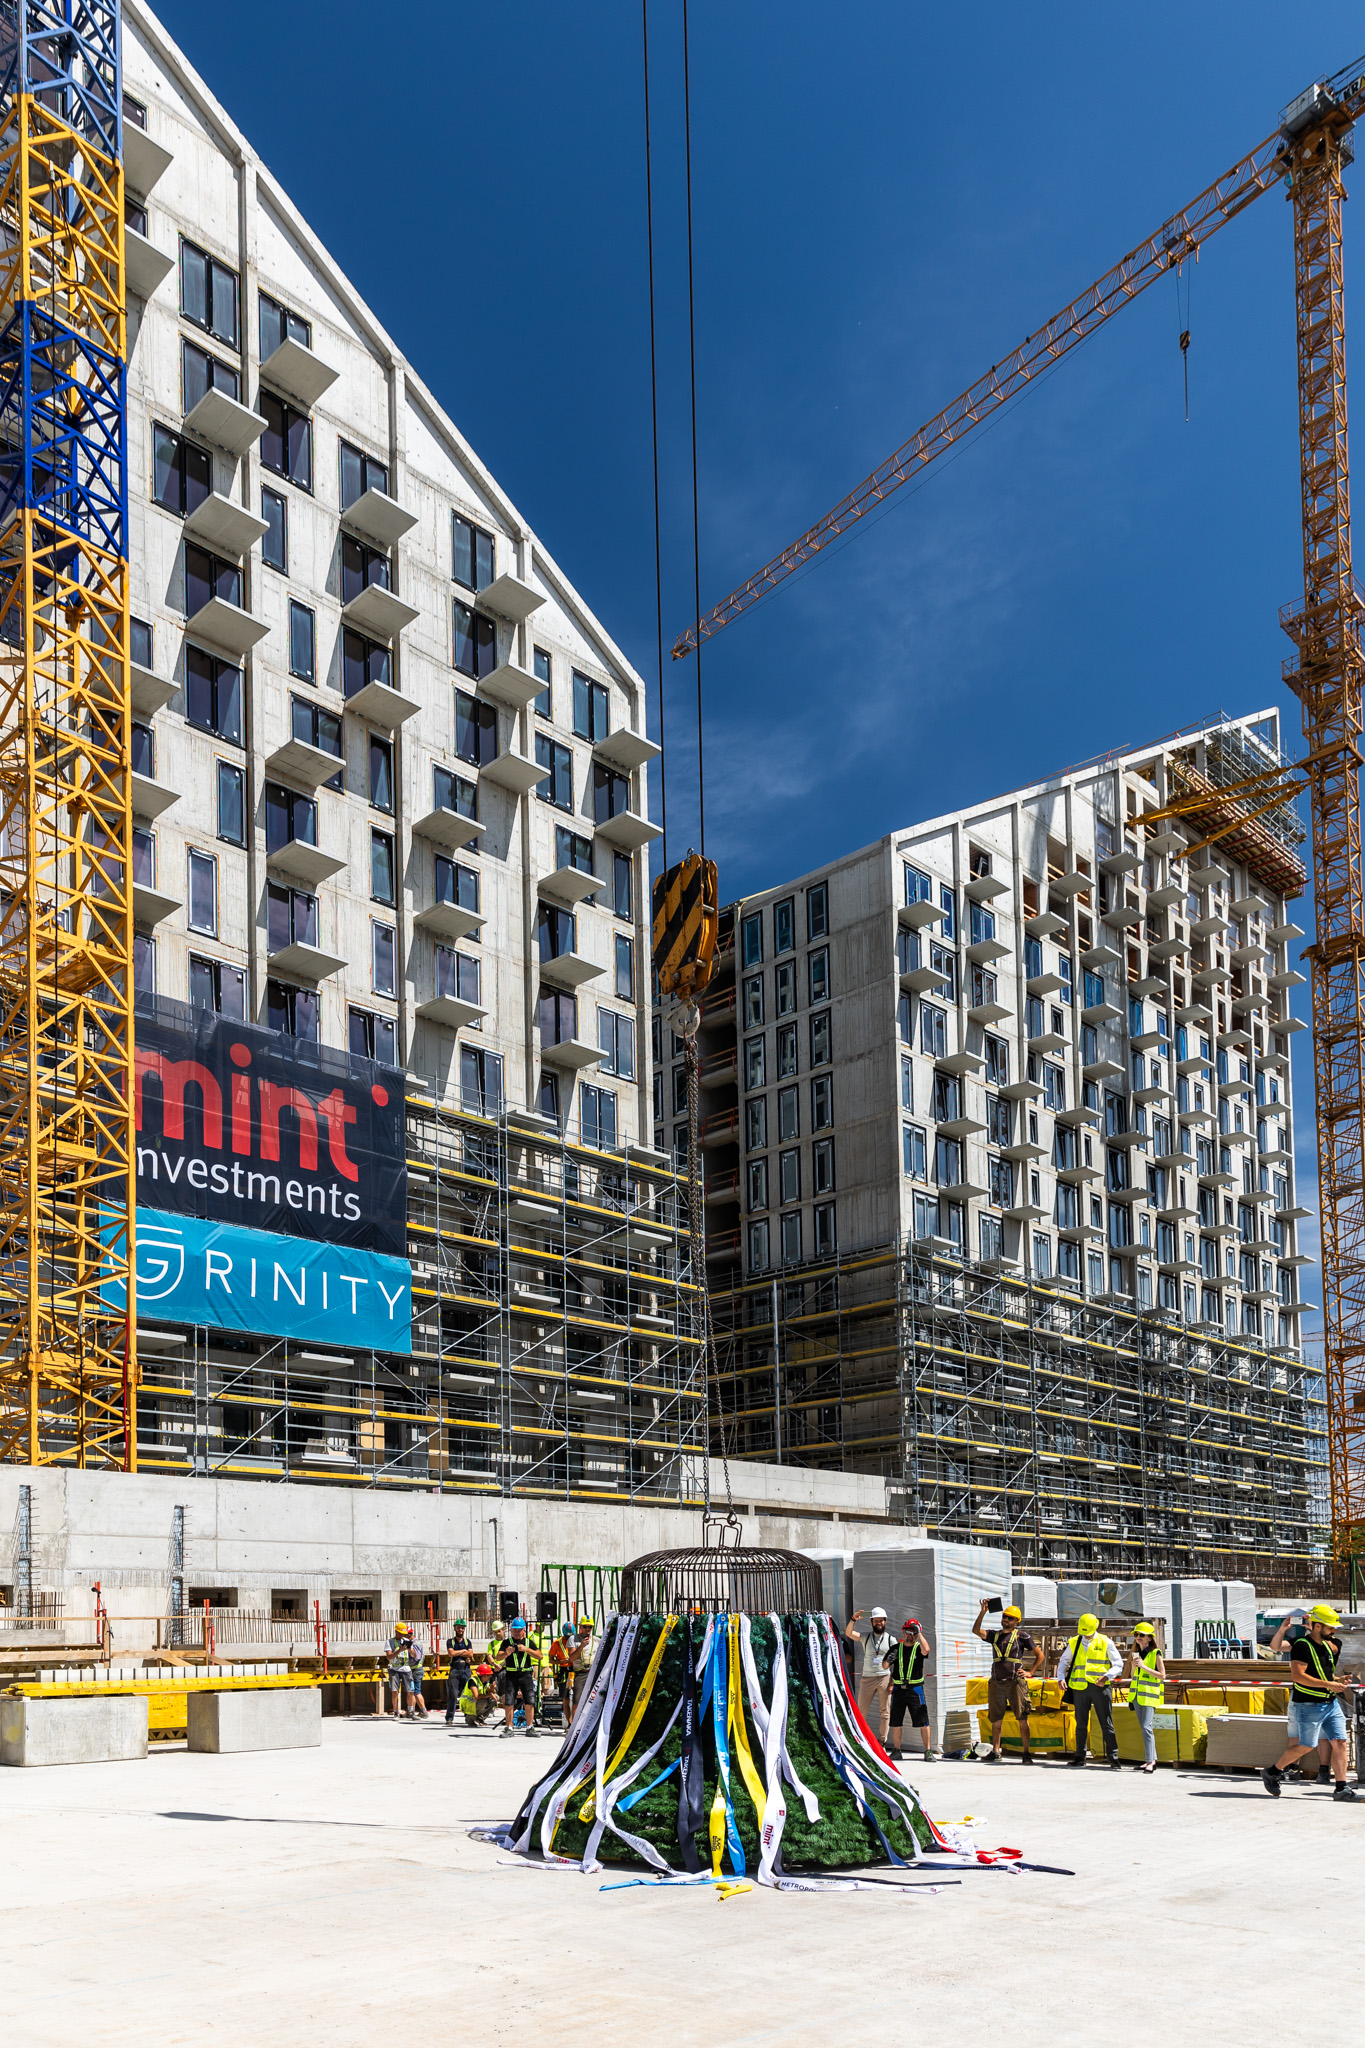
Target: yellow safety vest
column 1089, row 1660
column 1144, row 1687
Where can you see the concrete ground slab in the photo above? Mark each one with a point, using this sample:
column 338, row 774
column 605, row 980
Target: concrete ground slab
column 256, row 1898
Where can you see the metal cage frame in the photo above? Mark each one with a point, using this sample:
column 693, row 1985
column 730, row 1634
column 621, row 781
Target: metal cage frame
column 721, row 1581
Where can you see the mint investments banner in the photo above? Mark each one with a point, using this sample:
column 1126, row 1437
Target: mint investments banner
column 194, row 1271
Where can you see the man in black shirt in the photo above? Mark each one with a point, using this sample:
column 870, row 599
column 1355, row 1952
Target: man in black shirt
column 1315, row 1709
column 908, row 1660
column 1007, row 1688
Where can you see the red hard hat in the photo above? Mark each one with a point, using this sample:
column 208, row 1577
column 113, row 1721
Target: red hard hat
column 909, row 1622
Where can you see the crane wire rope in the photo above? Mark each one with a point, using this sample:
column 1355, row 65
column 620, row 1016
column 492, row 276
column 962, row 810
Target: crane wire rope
column 692, row 367
column 654, row 418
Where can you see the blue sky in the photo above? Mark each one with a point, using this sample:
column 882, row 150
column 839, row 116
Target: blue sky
column 887, row 198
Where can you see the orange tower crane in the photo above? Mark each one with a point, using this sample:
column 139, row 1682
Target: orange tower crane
column 1306, row 156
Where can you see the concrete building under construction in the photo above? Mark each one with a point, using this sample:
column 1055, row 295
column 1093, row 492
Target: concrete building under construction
column 999, row 1159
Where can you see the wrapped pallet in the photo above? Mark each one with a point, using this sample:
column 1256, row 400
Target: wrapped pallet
column 1239, row 1606
column 942, row 1585
column 1036, row 1599
column 836, row 1575
column 1200, row 1623
column 1247, row 1742
column 1050, row 1734
column 1181, row 1734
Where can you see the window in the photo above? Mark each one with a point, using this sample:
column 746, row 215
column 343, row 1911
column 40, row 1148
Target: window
column 990, row 1238
column 756, row 1124
column 625, row 968
column 556, row 932
column 302, row 642
column 207, row 578
column 758, row 1183
column 144, row 964
column 786, row 1051
column 143, row 749
column 278, row 325
column 623, row 885
column 679, row 1090
column 752, row 939
column 471, row 554
column 948, row 902
column 817, row 911
column 208, row 292
column 785, row 978
column 754, row 1064
column 557, row 760
column 790, row 1176
column 999, row 1116
column 918, row 887
column 1066, row 1207
column 572, row 850
column 1000, row 1181
column 758, row 1247
column 591, row 708
column 363, row 662
column 791, row 1238
column 144, row 858
column 381, row 773
column 213, row 695
column 202, row 906
column 371, row 1037
column 788, row 1115
column 291, row 917
column 784, row 925
column 140, row 642
column 201, row 373
column 610, row 793
column 476, row 730
column 289, row 817
column 287, row 443
column 476, row 642
column 316, row 728
column 822, row 1166
column 818, row 964
column 383, row 958
column 616, row 1038
column 360, row 473
column 216, row 986
column 914, row 1158
column 231, row 803
column 933, row 1030
column 542, row 671
column 547, row 1099
column 182, row 475
column 559, row 1022
column 275, row 539
column 457, row 884
column 926, row 1216
column 905, row 1019
column 381, row 866
column 821, row 1103
column 597, row 1116
column 820, row 1054
column 457, row 975
column 297, row 1012
column 997, row 1057
column 1042, row 1256
column 363, row 568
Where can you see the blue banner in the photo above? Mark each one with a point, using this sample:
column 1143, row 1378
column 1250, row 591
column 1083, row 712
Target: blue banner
column 193, row 1271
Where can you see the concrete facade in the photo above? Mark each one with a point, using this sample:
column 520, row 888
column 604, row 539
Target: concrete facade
column 358, row 526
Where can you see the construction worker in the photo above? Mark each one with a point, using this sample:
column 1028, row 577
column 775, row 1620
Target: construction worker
column 479, row 1695
column 874, row 1683
column 1315, row 1709
column 400, row 1674
column 561, row 1665
column 460, row 1651
column 517, row 1670
column 1291, row 1630
column 1007, row 1687
column 1145, row 1672
column 1088, row 1667
column 908, row 1660
column 581, row 1659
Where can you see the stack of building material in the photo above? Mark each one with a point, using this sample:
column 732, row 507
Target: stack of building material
column 1247, row 1742
column 1196, row 1602
column 1239, row 1606
column 1036, row 1599
column 942, row 1585
column 1181, row 1733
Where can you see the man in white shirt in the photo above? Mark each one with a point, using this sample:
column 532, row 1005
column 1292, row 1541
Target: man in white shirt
column 874, row 1683
column 1088, row 1667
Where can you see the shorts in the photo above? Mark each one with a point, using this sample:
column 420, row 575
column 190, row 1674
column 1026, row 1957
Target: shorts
column 401, row 1678
column 1315, row 1721
column 1007, row 1696
column 519, row 1685
column 911, row 1698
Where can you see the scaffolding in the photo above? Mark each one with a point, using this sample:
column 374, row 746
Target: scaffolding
column 1085, row 1434
column 556, row 1347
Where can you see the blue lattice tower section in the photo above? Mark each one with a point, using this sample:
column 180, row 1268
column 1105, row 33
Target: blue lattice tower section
column 67, row 1157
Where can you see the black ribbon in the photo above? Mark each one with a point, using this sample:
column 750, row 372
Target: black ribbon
column 691, row 1775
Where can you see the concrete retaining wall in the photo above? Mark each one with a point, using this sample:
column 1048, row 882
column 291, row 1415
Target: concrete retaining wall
column 222, row 1723
column 73, row 1731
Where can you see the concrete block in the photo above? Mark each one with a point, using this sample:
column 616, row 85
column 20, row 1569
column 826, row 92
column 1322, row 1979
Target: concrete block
column 106, row 1729
column 287, row 1717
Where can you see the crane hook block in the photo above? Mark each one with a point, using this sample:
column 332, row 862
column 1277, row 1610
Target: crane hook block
column 686, row 918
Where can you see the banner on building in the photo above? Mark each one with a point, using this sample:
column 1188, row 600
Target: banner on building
column 247, row 1127
column 195, row 1271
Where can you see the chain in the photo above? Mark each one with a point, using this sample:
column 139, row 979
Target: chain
column 690, row 1019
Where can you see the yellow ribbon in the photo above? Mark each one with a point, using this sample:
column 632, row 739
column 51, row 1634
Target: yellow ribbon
column 637, row 1715
column 739, row 1734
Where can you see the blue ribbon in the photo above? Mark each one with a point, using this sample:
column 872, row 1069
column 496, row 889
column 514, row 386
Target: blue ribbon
column 717, row 1684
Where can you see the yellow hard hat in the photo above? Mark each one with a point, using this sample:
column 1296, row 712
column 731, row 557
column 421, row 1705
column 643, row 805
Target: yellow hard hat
column 1011, row 1614
column 402, row 1628
column 1328, row 1616
column 1143, row 1628
column 1087, row 1625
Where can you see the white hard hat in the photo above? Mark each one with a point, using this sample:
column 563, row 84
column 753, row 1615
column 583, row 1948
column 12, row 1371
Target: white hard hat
column 879, row 1610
